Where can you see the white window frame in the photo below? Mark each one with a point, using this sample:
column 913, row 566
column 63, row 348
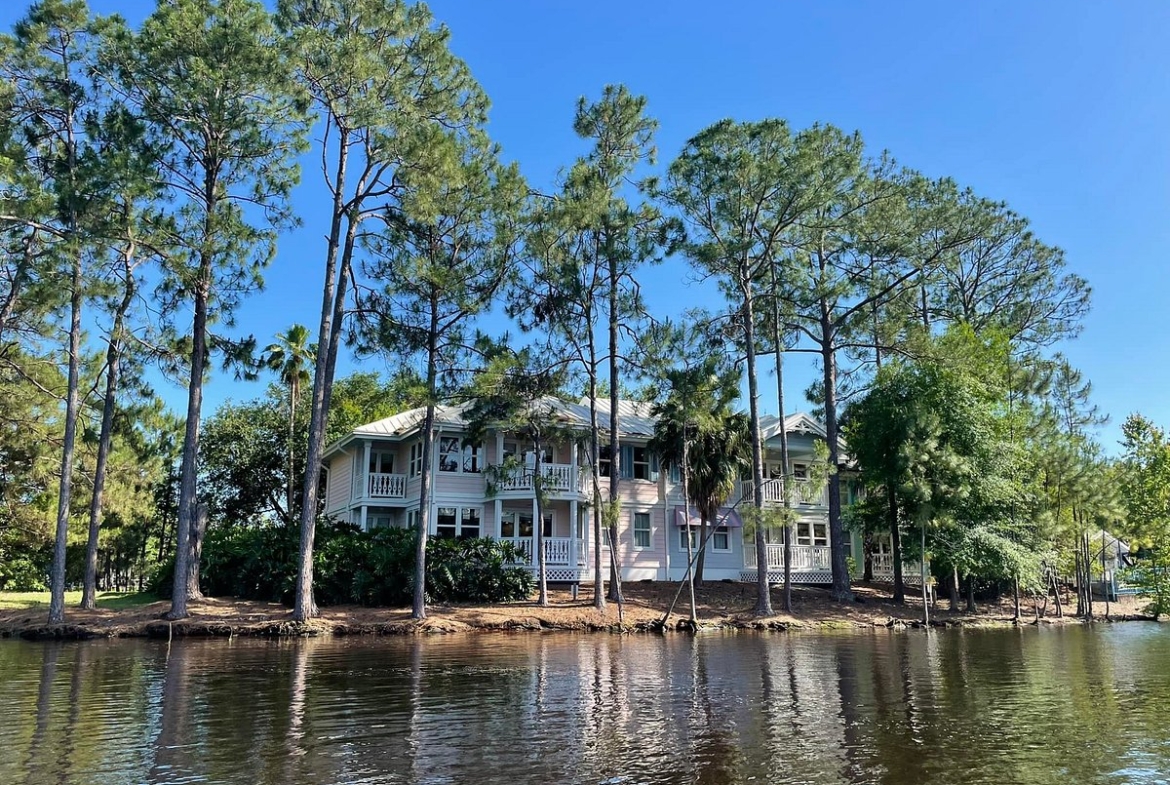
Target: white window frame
column 644, row 464
column 695, row 541
column 515, row 515
column 383, row 460
column 379, row 520
column 604, row 460
column 635, row 530
column 462, row 455
column 412, row 519
column 806, row 534
column 416, row 456
column 460, row 511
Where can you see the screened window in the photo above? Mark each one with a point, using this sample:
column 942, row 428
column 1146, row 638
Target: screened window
column 641, row 530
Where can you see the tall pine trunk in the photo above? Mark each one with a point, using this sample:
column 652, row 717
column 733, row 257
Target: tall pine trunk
column 198, row 529
column 777, row 337
column 896, row 545
column 538, row 524
column 188, row 471
column 615, row 446
column 65, row 491
column 333, row 296
column 693, row 567
column 595, row 475
column 113, row 369
column 419, row 605
column 763, row 590
column 838, row 544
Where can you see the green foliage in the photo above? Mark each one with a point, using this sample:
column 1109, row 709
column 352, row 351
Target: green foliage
column 374, row 568
column 1144, row 477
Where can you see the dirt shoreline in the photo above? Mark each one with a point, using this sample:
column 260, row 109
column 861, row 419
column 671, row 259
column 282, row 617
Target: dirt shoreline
column 721, row 606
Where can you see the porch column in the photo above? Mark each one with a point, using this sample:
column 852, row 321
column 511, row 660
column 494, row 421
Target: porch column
column 573, row 522
column 499, row 518
column 574, row 475
column 364, row 509
column 365, row 473
column 537, row 528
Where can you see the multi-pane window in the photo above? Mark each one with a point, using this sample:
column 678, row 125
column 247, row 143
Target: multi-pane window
column 519, row 524
column 458, row 522
column 469, row 523
column 447, row 523
column 379, row 521
column 809, row 533
column 456, row 457
column 800, row 471
column 641, row 530
column 416, row 454
column 720, row 539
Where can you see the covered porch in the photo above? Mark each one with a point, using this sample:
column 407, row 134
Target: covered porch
column 810, row 563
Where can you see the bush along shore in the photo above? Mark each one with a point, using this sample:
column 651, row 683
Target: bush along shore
column 720, row 606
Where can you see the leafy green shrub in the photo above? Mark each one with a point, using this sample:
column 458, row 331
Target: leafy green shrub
column 22, row 573
column 352, row 566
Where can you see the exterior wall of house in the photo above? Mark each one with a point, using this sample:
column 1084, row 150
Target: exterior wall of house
column 337, row 493
column 663, row 558
column 642, row 563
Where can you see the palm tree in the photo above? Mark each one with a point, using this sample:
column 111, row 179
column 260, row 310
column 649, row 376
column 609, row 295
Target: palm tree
column 291, row 356
column 699, row 432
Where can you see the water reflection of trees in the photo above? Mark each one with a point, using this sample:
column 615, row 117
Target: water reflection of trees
column 1028, row 706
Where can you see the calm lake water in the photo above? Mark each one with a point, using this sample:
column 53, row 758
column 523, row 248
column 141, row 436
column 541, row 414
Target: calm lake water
column 1023, row 706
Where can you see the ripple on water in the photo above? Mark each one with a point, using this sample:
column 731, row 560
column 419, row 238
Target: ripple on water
column 993, row 706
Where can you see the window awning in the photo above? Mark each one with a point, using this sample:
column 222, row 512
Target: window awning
column 726, row 517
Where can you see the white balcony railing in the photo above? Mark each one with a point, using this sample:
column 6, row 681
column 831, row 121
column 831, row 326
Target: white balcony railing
column 804, row 557
column 558, row 551
column 883, row 568
column 800, row 492
column 386, row 486
column 558, row 478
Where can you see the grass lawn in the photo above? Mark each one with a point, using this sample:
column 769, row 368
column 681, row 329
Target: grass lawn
column 112, row 600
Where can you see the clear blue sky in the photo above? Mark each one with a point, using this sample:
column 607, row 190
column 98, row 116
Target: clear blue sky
column 1061, row 109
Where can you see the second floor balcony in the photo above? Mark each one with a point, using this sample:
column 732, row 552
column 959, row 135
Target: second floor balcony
column 557, row 478
column 800, row 493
